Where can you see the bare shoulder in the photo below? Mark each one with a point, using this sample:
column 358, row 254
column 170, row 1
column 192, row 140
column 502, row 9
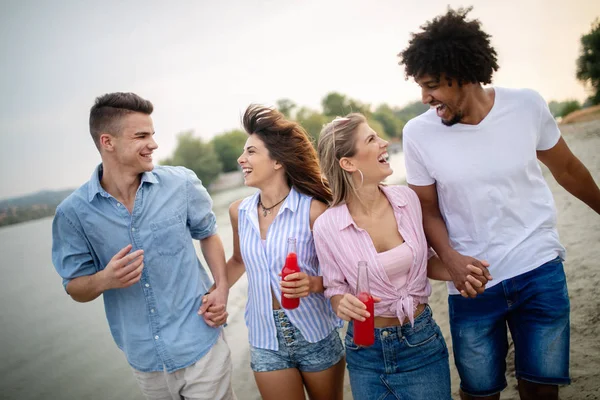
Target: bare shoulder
column 234, row 209
column 316, row 209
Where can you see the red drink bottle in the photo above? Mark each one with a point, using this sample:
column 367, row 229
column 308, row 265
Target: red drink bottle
column 290, row 267
column 364, row 331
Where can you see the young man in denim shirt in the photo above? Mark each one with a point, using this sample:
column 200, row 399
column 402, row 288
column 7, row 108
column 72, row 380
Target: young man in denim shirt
column 127, row 234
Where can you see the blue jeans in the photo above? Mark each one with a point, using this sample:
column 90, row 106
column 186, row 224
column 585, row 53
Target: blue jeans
column 295, row 352
column 535, row 305
column 404, row 363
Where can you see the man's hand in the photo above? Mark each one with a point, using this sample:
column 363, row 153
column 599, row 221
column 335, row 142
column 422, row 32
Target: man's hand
column 124, row 269
column 214, row 307
column 475, row 283
column 458, row 267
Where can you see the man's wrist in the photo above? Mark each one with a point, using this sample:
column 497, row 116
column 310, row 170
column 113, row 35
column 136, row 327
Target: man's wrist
column 102, row 281
column 446, row 254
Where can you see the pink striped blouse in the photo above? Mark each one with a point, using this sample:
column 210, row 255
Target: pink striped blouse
column 341, row 244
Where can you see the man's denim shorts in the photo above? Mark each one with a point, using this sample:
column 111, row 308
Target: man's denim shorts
column 535, row 306
column 295, row 352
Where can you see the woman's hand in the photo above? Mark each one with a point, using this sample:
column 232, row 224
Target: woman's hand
column 295, row 285
column 350, row 307
column 475, row 283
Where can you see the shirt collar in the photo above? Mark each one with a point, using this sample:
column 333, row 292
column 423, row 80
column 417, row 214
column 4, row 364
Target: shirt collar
column 95, row 187
column 291, row 202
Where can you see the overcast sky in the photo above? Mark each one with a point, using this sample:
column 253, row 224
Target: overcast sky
column 202, row 62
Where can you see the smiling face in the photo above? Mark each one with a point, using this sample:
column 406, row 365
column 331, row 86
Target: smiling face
column 371, row 156
column 257, row 165
column 448, row 101
column 132, row 147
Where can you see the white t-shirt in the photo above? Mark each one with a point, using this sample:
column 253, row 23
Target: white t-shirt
column 491, row 192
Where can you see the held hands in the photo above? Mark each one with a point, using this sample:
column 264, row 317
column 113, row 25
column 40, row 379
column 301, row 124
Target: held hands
column 468, row 274
column 476, row 281
column 350, row 307
column 295, row 285
column 214, row 307
column 124, row 269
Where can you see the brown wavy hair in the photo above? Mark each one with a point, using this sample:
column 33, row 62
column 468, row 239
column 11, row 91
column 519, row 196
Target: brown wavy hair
column 289, row 144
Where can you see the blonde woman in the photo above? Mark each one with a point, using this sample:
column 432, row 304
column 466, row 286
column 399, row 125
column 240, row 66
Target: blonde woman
column 381, row 225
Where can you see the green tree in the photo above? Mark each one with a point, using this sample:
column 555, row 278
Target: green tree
column 411, row 110
column 334, row 105
column 568, row 107
column 312, row 121
column 555, row 108
column 588, row 63
column 560, row 109
column 193, row 153
column 355, row 106
column 392, row 125
column 229, row 146
column 286, row 107
column 337, row 105
column 377, row 127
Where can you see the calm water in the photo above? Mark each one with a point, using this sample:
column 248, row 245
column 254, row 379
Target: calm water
column 54, row 348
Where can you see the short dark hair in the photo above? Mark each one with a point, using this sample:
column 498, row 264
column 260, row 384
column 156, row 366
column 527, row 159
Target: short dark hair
column 451, row 45
column 108, row 109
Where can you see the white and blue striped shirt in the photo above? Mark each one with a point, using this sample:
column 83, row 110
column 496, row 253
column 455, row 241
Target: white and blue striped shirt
column 314, row 317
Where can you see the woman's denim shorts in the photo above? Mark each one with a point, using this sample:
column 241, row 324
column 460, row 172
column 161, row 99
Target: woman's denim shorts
column 295, row 352
column 406, row 362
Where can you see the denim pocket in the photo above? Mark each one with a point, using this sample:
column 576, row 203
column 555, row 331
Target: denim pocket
column 349, row 343
column 421, row 336
column 169, row 235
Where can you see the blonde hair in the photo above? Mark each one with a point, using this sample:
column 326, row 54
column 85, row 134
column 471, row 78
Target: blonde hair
column 337, row 140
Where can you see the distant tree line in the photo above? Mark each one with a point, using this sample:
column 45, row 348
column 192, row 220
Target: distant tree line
column 561, row 108
column 33, row 206
column 208, row 159
column 588, row 63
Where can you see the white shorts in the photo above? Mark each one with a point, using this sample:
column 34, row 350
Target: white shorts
column 208, row 379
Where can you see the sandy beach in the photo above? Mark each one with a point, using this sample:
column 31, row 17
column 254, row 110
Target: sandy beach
column 579, row 229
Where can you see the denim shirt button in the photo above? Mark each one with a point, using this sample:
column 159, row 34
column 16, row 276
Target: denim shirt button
column 385, row 333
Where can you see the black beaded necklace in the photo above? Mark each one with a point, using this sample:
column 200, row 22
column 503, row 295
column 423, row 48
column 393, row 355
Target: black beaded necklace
column 267, row 210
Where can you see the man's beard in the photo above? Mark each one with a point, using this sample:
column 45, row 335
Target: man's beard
column 455, row 119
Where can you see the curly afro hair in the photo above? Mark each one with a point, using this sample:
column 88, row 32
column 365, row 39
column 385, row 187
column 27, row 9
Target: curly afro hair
column 451, row 45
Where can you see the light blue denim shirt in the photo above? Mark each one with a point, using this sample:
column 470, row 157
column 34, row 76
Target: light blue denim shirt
column 154, row 321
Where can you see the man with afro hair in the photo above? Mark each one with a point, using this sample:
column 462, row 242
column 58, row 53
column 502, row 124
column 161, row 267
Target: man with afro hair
column 484, row 198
